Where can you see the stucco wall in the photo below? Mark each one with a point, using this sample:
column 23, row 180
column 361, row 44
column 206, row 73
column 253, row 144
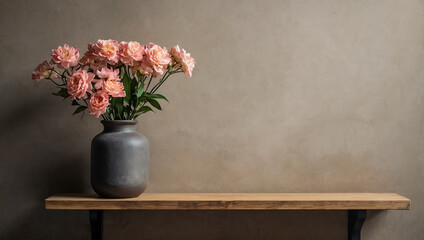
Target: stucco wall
column 286, row 96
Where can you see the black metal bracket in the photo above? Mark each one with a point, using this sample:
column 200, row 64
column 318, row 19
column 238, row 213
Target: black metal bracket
column 96, row 222
column 355, row 220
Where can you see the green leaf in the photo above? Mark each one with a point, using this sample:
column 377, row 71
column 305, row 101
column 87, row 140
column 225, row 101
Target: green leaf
column 143, row 97
column 75, row 103
column 137, row 114
column 154, row 103
column 158, row 96
column 127, row 86
column 140, row 91
column 134, row 102
column 79, row 109
column 142, row 110
column 127, row 112
column 140, row 76
column 62, row 93
column 145, row 109
column 118, row 106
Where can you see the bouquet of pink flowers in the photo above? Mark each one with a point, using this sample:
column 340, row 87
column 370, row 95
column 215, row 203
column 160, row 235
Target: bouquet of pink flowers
column 114, row 80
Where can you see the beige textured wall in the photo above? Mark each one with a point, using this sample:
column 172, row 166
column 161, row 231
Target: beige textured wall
column 286, row 96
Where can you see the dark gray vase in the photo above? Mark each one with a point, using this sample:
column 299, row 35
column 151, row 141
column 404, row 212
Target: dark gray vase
column 119, row 160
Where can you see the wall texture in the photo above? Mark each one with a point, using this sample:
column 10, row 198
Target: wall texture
column 286, row 96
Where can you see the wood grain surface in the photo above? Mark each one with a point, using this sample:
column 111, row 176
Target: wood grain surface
column 236, row 201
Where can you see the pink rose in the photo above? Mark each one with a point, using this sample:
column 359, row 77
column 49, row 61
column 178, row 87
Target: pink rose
column 98, row 103
column 106, row 49
column 184, row 59
column 65, row 56
column 156, row 59
column 43, row 71
column 114, row 88
column 79, row 83
column 106, row 74
column 131, row 52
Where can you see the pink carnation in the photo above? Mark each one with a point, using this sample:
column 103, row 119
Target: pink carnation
column 131, row 52
column 98, row 65
column 65, row 56
column 94, row 62
column 106, row 74
column 139, row 68
column 98, row 103
column 114, row 88
column 79, row 83
column 156, row 59
column 184, row 59
column 88, row 58
column 43, row 71
column 105, row 49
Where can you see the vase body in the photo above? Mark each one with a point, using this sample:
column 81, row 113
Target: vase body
column 119, row 160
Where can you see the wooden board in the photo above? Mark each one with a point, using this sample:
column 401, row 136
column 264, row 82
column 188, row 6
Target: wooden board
column 236, row 201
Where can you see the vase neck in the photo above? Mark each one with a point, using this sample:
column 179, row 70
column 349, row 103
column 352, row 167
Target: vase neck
column 119, row 126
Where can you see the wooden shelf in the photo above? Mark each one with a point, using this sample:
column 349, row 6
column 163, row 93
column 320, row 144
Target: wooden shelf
column 235, row 201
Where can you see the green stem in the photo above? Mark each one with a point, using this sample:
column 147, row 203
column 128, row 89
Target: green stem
column 150, row 80
column 59, row 85
column 163, row 77
column 85, row 101
column 167, row 74
column 160, row 83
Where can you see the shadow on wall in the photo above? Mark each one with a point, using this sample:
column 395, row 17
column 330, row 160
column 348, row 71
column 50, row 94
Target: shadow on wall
column 39, row 161
column 235, row 225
